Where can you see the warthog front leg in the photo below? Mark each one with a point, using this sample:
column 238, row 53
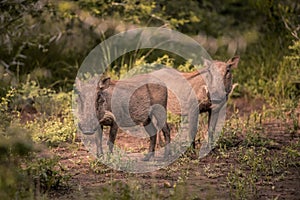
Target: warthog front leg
column 98, row 139
column 212, row 135
column 166, row 132
column 112, row 136
column 193, row 125
column 207, row 145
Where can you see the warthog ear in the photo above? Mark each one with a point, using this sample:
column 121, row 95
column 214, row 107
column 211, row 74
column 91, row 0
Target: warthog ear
column 104, row 83
column 233, row 62
column 206, row 62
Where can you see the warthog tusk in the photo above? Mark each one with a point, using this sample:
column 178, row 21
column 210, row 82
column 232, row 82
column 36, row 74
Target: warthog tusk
column 233, row 87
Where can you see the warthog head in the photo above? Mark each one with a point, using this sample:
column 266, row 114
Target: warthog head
column 225, row 71
column 85, row 96
column 102, row 103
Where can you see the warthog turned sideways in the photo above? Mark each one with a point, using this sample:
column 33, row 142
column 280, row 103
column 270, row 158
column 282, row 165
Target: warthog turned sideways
column 139, row 101
column 202, row 93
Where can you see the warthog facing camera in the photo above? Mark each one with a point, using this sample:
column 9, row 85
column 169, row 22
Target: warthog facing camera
column 138, row 101
column 202, row 91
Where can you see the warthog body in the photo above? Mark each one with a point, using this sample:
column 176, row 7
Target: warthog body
column 139, row 101
column 202, row 93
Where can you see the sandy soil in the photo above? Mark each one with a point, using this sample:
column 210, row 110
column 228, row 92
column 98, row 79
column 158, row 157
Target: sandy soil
column 206, row 178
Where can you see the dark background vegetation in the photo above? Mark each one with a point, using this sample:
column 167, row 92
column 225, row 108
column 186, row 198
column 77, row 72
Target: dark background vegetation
column 43, row 43
column 46, row 41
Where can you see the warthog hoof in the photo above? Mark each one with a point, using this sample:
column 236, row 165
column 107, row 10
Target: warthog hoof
column 99, row 155
column 148, row 156
column 167, row 154
column 205, row 149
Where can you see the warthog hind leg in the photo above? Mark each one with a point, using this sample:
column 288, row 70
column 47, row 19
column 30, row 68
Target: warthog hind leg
column 152, row 131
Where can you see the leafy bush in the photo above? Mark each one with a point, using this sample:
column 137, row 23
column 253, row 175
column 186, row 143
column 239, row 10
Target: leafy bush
column 15, row 146
column 22, row 175
column 53, row 130
column 54, row 123
column 47, row 174
column 287, row 84
column 5, row 117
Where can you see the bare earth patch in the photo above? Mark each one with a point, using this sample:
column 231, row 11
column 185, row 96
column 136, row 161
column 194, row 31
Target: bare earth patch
column 186, row 178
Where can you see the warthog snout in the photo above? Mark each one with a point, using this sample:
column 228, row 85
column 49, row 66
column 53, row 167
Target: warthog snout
column 86, row 131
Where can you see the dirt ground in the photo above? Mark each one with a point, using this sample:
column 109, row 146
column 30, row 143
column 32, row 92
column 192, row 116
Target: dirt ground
column 203, row 179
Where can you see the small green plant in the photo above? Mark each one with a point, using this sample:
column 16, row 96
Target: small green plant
column 98, row 167
column 230, row 137
column 53, row 130
column 119, row 160
column 241, row 185
column 125, row 190
column 291, row 154
column 47, row 174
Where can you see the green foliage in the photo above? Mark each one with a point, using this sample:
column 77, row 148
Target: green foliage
column 53, row 131
column 255, row 165
column 186, row 67
column 277, row 78
column 5, row 117
column 98, row 167
column 55, row 122
column 153, row 13
column 44, row 42
column 22, row 175
column 260, row 160
column 292, row 154
column 241, row 185
column 47, row 173
column 130, row 189
column 36, row 40
column 14, row 147
column 287, row 84
column 141, row 66
column 48, row 40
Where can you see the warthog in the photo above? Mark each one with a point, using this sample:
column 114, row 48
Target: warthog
column 202, row 93
column 138, row 101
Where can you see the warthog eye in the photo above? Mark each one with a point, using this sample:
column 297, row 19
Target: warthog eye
column 79, row 98
column 101, row 98
column 228, row 68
